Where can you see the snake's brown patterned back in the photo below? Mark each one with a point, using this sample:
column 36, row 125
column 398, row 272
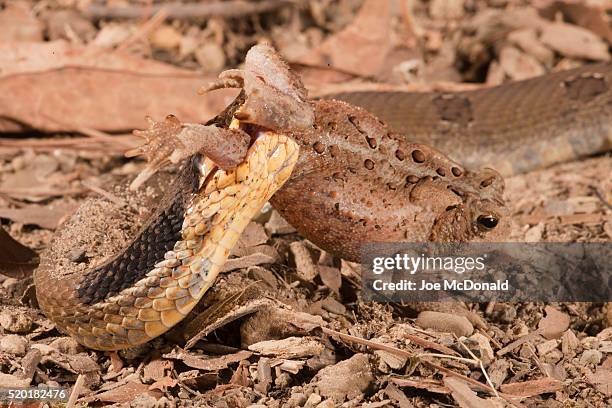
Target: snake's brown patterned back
column 514, row 128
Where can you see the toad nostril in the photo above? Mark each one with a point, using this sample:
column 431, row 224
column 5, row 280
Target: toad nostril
column 488, row 221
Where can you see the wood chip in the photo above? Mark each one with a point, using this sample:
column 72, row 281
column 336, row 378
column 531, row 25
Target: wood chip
column 582, row 219
column 398, row 396
column 253, row 235
column 11, row 381
column 527, row 39
column 291, row 347
column 554, row 324
column 206, row 362
column 464, row 396
column 602, row 380
column 306, row 268
column 278, row 225
column 16, row 260
column 428, row 384
column 331, row 278
column 533, row 387
column 262, row 254
column 574, row 42
column 518, row 65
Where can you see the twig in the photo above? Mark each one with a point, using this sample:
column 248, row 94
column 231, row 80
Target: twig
column 601, row 198
column 145, row 29
column 104, row 137
column 496, row 343
column 368, row 343
column 84, row 143
column 76, row 390
column 438, row 355
column 430, row 344
column 395, row 350
column 482, row 368
column 34, row 192
column 226, row 9
column 412, row 30
column 93, row 133
column 518, row 342
column 537, row 360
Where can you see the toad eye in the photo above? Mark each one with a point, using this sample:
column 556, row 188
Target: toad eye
column 487, row 221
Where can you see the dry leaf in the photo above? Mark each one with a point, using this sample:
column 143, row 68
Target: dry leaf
column 361, row 47
column 163, row 384
column 17, row 23
column 46, row 216
column 602, row 380
column 259, row 255
column 156, row 369
column 16, row 260
column 123, row 393
column 464, row 396
column 40, row 82
column 254, row 234
column 278, row 225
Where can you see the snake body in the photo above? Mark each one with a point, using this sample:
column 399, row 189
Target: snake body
column 160, row 276
column 356, row 180
column 514, row 128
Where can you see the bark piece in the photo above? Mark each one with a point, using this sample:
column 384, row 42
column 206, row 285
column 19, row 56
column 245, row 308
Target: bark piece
column 574, row 42
column 291, row 347
column 554, row 324
column 346, row 379
column 444, row 322
column 533, row 387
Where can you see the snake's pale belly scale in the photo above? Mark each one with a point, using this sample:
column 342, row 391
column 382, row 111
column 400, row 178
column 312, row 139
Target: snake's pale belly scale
column 218, row 214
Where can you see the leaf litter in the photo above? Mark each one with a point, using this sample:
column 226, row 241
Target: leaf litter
column 284, row 325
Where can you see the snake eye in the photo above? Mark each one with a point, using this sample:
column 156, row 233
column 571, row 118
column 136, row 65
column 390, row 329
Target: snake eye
column 488, row 221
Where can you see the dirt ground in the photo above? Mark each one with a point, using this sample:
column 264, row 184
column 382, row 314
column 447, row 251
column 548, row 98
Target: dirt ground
column 285, row 325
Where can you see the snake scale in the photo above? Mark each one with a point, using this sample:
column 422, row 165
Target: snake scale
column 334, row 170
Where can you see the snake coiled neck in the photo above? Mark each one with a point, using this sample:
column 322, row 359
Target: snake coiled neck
column 154, row 282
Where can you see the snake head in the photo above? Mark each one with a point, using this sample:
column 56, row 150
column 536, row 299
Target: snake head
column 275, row 98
